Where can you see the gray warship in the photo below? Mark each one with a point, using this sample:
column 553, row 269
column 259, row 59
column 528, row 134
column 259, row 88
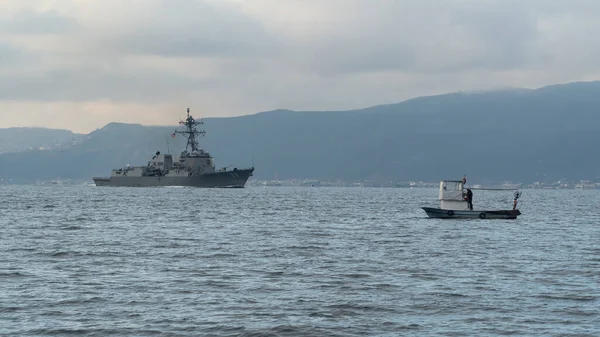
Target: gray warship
column 193, row 168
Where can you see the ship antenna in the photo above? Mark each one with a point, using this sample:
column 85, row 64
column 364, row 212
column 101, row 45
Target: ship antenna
column 191, row 132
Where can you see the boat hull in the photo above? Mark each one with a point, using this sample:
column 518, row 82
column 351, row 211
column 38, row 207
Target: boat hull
column 482, row 214
column 227, row 179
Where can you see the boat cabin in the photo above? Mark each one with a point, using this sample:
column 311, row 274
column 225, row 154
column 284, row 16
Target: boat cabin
column 453, row 195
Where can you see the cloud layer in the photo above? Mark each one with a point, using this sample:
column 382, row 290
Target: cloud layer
column 81, row 64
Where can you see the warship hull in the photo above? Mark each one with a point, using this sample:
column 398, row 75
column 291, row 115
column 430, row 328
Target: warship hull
column 228, row 179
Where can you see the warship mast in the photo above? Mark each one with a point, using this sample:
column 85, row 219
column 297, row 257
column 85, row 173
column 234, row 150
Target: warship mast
column 191, row 132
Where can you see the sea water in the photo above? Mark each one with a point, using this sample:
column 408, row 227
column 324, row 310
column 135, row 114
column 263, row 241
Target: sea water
column 283, row 261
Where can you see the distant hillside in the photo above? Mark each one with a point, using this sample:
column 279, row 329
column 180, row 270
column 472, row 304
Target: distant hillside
column 22, row 139
column 519, row 135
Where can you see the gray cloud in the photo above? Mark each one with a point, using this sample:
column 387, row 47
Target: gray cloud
column 198, row 28
column 89, row 84
column 11, row 55
column 31, row 22
column 297, row 54
column 427, row 36
column 506, row 30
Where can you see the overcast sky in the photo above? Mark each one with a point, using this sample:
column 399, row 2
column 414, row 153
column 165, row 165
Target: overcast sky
column 79, row 64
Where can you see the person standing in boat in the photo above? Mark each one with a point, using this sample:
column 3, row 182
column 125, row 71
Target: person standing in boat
column 470, row 198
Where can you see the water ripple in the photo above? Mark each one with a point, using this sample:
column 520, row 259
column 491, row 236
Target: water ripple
column 293, row 262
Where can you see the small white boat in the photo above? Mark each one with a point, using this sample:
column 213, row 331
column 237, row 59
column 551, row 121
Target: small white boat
column 454, row 204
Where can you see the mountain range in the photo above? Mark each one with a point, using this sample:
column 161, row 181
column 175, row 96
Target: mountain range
column 520, row 135
column 21, row 139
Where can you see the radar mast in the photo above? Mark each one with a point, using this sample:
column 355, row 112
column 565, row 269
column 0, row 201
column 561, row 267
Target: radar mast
column 191, row 132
